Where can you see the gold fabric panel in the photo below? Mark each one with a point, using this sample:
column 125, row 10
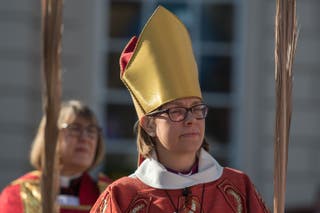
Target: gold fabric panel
column 162, row 67
column 31, row 197
column 80, row 208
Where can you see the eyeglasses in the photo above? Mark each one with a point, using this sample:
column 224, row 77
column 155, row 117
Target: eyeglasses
column 177, row 114
column 76, row 130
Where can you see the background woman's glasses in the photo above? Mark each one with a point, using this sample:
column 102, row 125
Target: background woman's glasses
column 76, row 130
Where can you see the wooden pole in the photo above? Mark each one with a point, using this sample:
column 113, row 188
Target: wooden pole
column 51, row 49
column 285, row 46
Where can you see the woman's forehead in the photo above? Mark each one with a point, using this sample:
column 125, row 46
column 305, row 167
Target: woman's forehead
column 78, row 119
column 184, row 102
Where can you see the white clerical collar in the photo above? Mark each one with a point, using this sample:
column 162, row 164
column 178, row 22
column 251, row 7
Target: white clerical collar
column 154, row 174
column 68, row 200
column 65, row 180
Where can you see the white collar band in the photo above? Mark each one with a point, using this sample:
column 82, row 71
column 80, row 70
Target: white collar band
column 154, row 174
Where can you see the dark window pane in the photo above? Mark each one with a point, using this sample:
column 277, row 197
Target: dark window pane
column 217, row 22
column 182, row 11
column 113, row 72
column 215, row 74
column 218, row 125
column 120, row 164
column 120, row 121
column 124, row 19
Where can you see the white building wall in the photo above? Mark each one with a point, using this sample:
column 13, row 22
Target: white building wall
column 19, row 83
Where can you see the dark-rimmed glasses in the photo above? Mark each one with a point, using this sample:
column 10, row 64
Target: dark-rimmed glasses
column 177, row 114
column 76, row 130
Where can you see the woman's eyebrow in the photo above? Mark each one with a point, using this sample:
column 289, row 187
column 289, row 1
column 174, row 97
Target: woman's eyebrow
column 178, row 104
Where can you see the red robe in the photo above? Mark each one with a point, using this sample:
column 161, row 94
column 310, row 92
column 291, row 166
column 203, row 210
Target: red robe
column 23, row 194
column 153, row 188
column 232, row 192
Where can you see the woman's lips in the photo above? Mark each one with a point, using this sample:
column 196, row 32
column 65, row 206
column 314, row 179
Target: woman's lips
column 190, row 134
column 82, row 149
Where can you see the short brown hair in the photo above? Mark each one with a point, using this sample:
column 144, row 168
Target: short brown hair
column 68, row 112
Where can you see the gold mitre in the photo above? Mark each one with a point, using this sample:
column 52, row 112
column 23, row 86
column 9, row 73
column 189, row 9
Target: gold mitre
column 159, row 66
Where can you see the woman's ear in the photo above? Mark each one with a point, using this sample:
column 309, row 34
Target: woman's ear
column 148, row 124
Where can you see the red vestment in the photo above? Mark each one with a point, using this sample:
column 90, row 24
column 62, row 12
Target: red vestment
column 23, row 194
column 152, row 188
column 232, row 192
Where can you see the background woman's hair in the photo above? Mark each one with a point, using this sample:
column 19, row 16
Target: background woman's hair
column 69, row 111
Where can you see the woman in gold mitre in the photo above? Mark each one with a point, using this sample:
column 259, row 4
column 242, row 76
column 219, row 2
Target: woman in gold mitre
column 175, row 173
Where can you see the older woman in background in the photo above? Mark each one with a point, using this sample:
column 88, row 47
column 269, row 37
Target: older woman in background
column 80, row 147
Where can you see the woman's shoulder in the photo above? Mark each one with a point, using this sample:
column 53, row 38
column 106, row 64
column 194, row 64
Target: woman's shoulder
column 233, row 178
column 119, row 193
column 237, row 184
column 127, row 183
column 127, row 186
column 234, row 173
column 10, row 197
column 33, row 176
column 32, row 179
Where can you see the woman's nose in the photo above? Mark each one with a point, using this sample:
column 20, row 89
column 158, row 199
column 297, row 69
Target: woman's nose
column 189, row 117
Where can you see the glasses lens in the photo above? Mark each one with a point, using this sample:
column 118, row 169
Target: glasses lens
column 177, row 113
column 199, row 111
column 92, row 130
column 76, row 130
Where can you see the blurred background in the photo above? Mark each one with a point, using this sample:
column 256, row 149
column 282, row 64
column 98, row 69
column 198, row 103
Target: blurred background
column 233, row 42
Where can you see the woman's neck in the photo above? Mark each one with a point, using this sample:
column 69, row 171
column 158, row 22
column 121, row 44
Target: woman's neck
column 70, row 172
column 191, row 171
column 177, row 162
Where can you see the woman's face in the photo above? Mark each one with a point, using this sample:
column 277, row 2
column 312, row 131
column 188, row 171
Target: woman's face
column 181, row 137
column 78, row 144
